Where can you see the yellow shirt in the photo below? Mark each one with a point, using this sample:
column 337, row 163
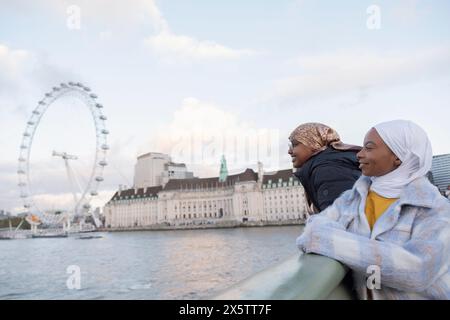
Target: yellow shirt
column 376, row 205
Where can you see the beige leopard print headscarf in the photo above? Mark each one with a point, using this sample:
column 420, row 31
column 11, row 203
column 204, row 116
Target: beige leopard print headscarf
column 318, row 137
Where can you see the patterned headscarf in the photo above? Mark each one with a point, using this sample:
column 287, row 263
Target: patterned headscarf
column 318, row 137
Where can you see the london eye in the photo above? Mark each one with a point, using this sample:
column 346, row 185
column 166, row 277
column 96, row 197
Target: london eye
column 82, row 196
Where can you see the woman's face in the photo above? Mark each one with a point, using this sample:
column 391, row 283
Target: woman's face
column 299, row 153
column 375, row 158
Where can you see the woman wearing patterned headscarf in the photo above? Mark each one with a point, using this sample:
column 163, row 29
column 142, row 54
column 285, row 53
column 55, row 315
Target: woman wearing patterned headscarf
column 326, row 166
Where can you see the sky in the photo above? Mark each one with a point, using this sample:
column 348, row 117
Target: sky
column 198, row 79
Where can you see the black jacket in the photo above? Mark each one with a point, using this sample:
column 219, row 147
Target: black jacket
column 326, row 175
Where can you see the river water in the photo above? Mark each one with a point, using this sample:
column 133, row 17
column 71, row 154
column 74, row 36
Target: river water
column 182, row 264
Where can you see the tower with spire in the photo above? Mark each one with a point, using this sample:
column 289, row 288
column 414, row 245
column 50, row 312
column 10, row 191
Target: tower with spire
column 223, row 170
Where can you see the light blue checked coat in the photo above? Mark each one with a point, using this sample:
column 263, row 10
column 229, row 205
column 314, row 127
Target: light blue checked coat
column 410, row 242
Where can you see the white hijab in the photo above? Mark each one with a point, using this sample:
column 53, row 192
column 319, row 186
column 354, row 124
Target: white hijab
column 411, row 145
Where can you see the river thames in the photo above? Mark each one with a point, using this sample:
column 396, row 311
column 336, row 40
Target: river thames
column 182, row 264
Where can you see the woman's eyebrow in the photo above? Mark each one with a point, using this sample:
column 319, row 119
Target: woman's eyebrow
column 368, row 142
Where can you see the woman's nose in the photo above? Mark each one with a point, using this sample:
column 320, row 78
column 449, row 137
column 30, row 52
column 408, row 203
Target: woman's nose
column 359, row 155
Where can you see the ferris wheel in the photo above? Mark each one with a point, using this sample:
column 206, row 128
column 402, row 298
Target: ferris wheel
column 82, row 199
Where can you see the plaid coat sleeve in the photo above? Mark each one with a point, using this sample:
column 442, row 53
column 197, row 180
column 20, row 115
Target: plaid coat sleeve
column 412, row 267
column 334, row 215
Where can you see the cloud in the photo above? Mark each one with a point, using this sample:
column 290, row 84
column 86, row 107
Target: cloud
column 170, row 46
column 201, row 132
column 166, row 44
column 331, row 74
column 13, row 66
column 25, row 71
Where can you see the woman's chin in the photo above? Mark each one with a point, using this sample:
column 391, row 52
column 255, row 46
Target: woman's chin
column 297, row 165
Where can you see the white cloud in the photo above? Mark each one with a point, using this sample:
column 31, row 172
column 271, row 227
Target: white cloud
column 166, row 44
column 330, row 74
column 14, row 64
column 10, row 59
column 25, row 71
column 171, row 46
column 200, row 132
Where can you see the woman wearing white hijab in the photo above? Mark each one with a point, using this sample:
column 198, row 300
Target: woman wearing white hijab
column 393, row 219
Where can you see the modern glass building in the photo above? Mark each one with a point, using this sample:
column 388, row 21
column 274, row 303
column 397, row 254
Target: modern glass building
column 441, row 171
